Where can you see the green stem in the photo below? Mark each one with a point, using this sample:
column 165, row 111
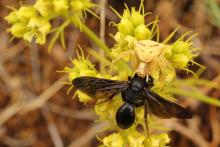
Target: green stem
column 59, row 31
column 91, row 35
column 79, row 24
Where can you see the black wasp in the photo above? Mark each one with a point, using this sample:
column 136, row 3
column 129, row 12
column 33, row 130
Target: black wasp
column 135, row 93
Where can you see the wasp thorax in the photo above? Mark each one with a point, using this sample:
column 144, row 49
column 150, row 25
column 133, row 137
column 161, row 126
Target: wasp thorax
column 147, row 50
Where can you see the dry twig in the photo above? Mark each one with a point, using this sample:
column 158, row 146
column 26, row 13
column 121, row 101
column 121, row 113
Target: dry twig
column 91, row 133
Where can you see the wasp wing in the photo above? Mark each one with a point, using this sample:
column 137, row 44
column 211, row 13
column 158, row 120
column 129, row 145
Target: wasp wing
column 164, row 108
column 98, row 87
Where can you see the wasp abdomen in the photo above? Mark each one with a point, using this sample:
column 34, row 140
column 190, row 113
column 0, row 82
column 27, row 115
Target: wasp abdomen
column 125, row 116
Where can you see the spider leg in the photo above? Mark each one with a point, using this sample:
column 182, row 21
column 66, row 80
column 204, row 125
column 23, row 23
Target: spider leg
column 107, row 99
column 124, row 54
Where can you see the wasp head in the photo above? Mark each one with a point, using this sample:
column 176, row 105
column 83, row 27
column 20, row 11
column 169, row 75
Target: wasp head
column 138, row 83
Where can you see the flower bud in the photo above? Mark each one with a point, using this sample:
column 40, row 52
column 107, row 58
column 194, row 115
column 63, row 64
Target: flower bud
column 126, row 14
column 102, row 110
column 119, row 37
column 130, row 42
column 181, row 47
column 135, row 139
column 83, row 97
column 141, row 32
column 45, row 7
column 168, row 74
column 18, row 29
column 167, row 51
column 72, row 75
column 26, row 12
column 39, row 24
column 12, row 17
column 179, row 60
column 77, row 5
column 160, row 140
column 136, row 18
column 125, row 27
column 87, row 72
column 60, row 6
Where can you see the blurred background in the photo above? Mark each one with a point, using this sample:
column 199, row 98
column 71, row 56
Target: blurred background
column 35, row 109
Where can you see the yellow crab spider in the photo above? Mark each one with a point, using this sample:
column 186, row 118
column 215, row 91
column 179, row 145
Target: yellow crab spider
column 146, row 54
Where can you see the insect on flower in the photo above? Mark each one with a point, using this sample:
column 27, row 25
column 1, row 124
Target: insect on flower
column 135, row 93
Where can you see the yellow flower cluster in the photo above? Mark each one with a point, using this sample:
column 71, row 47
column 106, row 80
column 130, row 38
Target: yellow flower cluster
column 135, row 139
column 81, row 67
column 26, row 23
column 181, row 53
column 107, row 110
column 134, row 44
column 33, row 22
column 130, row 28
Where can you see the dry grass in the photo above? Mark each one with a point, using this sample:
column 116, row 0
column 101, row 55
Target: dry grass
column 34, row 107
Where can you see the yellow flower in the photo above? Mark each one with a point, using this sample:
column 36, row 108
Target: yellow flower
column 113, row 140
column 80, row 5
column 60, row 6
column 181, row 47
column 141, row 32
column 180, row 60
column 81, row 67
column 136, row 17
column 18, row 29
column 83, row 97
column 77, row 5
column 26, row 12
column 139, row 113
column 125, row 27
column 38, row 27
column 45, row 8
column 167, row 51
column 106, row 111
column 136, row 139
column 12, row 17
column 160, row 140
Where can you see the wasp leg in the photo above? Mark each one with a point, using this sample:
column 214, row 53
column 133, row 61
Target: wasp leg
column 107, row 99
column 145, row 118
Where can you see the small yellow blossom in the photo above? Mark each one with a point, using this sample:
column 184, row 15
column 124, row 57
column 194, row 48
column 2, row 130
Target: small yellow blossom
column 26, row 12
column 12, row 17
column 141, row 32
column 180, row 60
column 38, row 27
column 136, row 139
column 136, row 17
column 81, row 67
column 18, row 29
column 160, row 140
column 60, row 6
column 113, row 140
column 126, row 27
column 45, row 8
column 78, row 6
column 106, row 111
